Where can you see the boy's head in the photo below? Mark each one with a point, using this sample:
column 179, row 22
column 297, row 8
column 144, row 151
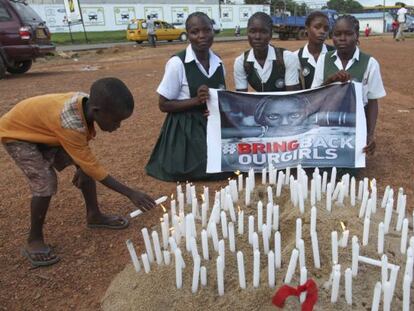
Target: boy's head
column 110, row 102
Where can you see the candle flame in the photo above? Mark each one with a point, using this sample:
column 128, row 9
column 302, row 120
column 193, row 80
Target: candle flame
column 238, row 208
column 161, row 220
column 163, row 208
column 172, row 196
column 171, row 229
column 202, row 197
column 343, row 226
column 237, row 172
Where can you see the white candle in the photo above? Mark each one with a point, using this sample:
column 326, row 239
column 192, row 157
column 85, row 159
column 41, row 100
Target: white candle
column 196, row 274
column 385, row 197
column 133, row 254
column 269, row 212
column 393, row 279
column 181, row 203
column 247, row 194
column 222, row 252
column 287, row 177
column 204, row 244
column 147, row 243
column 324, row 181
column 232, row 243
column 300, row 198
column 223, row 199
column 255, row 241
column 374, row 200
column 313, row 192
column 365, row 235
column 240, row 265
column 165, row 234
column 220, row 275
column 173, row 207
column 344, row 239
column 341, row 194
column 363, row 204
column 204, row 215
column 271, row 269
column 336, row 273
column 376, row 298
column 404, row 236
column 406, row 292
column 203, row 276
column 318, row 187
column 224, row 225
column 135, row 213
column 276, row 217
column 178, row 269
column 333, row 176
column 353, row 189
column 399, row 199
column 301, row 247
column 315, row 250
column 305, row 186
column 265, row 235
column 292, row 265
column 214, row 235
column 387, row 296
column 251, row 229
column 233, row 189
column 230, row 207
column 259, row 216
column 384, row 268
column 173, row 244
column 368, row 209
column 240, row 182
column 334, row 244
column 264, row 176
column 240, row 226
column 409, row 266
column 157, row 247
column 313, row 219
column 298, row 231
column 348, row 286
column 329, row 197
column 161, row 200
column 277, row 253
column 206, row 196
column 360, row 190
column 388, row 215
column 279, row 184
column 375, row 262
column 146, row 263
column 380, row 246
column 167, row 257
column 303, row 278
column 256, row 268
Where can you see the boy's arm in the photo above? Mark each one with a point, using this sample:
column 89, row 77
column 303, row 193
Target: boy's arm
column 140, row 199
column 371, row 114
column 167, row 105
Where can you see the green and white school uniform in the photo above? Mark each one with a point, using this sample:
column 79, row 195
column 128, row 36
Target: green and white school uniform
column 278, row 71
column 307, row 64
column 180, row 153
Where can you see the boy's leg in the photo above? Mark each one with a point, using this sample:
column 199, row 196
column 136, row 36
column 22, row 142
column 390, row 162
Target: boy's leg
column 94, row 216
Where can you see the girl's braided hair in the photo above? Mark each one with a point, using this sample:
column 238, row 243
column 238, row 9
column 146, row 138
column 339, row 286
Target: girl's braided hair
column 196, row 14
column 265, row 18
column 350, row 19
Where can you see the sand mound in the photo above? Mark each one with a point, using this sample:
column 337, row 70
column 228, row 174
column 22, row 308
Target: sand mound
column 157, row 290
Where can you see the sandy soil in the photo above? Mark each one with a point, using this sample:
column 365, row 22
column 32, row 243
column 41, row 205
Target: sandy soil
column 91, row 258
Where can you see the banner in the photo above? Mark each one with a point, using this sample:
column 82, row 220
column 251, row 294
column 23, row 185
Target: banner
column 72, row 11
column 322, row 127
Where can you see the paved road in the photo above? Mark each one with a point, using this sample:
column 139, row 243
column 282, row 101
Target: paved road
column 85, row 47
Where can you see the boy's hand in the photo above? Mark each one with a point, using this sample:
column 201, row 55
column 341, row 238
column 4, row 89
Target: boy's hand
column 202, row 94
column 340, row 76
column 141, row 200
column 369, row 149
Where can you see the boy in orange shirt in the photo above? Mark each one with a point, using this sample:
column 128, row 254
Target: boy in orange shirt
column 50, row 132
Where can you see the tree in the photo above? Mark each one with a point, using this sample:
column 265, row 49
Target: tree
column 344, row 6
column 257, row 1
column 291, row 6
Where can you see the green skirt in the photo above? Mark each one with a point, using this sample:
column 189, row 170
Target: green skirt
column 180, row 153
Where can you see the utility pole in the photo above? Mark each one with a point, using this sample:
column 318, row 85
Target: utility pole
column 383, row 17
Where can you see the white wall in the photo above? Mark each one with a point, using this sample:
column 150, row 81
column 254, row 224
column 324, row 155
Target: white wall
column 106, row 17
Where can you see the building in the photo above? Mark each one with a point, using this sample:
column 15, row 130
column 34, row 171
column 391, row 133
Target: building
column 375, row 20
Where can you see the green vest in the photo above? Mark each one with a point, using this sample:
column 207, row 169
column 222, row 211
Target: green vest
column 307, row 71
column 356, row 71
column 196, row 78
column 276, row 81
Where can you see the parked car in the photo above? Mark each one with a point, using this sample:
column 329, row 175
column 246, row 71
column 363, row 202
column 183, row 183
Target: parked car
column 137, row 31
column 24, row 37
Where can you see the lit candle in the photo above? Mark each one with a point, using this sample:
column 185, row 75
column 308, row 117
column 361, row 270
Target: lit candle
column 279, row 184
column 329, row 197
column 406, row 292
column 251, row 229
column 292, row 265
column 276, row 217
column 222, row 251
column 196, row 274
column 348, row 286
column 385, row 197
column 157, row 247
column 165, row 234
column 301, row 247
column 240, row 226
column 355, row 255
column 256, row 268
column 384, row 268
column 203, row 276
column 204, row 244
column 380, row 246
column 232, row 244
column 303, row 278
column 264, row 176
column 178, row 269
column 220, row 275
column 278, row 250
column 315, row 250
column 334, row 244
column 271, row 269
column 324, row 181
column 376, row 297
column 313, row 219
column 147, row 243
column 404, row 236
column 133, row 255
column 387, row 296
column 336, row 273
column 224, row 224
column 146, row 263
column 259, row 216
column 167, row 257
column 353, row 189
column 204, row 215
column 240, row 265
column 365, row 235
column 298, row 231
column 265, row 239
column 345, row 235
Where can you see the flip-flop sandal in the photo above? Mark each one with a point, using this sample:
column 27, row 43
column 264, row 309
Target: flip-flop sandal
column 39, row 263
column 119, row 223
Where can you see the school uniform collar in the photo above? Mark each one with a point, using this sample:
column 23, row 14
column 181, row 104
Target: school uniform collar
column 271, row 55
column 309, row 56
column 215, row 61
column 338, row 63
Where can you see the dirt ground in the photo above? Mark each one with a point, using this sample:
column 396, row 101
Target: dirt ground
column 91, row 258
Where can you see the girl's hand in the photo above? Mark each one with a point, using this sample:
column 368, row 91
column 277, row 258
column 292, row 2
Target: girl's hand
column 369, row 149
column 206, row 113
column 202, row 94
column 340, row 76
